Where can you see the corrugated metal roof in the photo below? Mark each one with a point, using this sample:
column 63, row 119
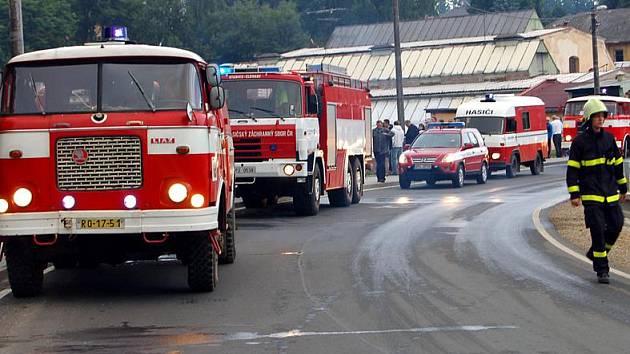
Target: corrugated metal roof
column 438, row 28
column 613, row 24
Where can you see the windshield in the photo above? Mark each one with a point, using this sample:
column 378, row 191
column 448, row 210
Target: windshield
column 485, row 125
column 123, row 87
column 438, row 140
column 577, row 108
column 263, row 98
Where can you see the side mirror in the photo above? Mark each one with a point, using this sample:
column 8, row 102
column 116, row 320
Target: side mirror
column 406, row 147
column 212, row 75
column 313, row 104
column 217, row 97
column 468, row 146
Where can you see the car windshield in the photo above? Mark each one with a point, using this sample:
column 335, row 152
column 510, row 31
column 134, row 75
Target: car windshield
column 438, row 140
column 577, row 108
column 263, row 98
column 485, row 125
column 123, row 87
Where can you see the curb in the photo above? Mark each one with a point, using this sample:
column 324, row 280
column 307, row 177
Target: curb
column 551, row 239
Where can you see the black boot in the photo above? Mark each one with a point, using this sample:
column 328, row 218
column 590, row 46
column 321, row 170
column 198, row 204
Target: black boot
column 603, row 278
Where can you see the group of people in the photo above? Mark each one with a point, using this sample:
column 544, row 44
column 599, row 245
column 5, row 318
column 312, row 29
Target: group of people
column 387, row 144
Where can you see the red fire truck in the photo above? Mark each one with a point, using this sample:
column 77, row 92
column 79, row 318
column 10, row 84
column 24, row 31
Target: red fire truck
column 113, row 152
column 299, row 134
column 514, row 129
column 617, row 123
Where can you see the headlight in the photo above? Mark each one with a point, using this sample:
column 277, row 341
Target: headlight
column 568, row 138
column 496, row 156
column 4, row 205
column 288, row 170
column 22, row 197
column 449, row 158
column 197, row 200
column 130, row 202
column 177, row 192
column 402, row 159
column 68, row 202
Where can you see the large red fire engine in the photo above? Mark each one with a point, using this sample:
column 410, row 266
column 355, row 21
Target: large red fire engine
column 113, row 152
column 514, row 129
column 299, row 134
column 617, row 123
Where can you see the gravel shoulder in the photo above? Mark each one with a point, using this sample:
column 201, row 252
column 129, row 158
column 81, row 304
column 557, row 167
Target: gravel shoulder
column 569, row 223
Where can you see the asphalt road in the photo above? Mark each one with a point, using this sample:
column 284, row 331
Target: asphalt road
column 421, row 271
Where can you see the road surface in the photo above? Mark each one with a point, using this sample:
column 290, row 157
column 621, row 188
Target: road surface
column 421, row 271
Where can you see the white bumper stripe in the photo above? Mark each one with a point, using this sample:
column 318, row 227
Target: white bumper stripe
column 269, row 169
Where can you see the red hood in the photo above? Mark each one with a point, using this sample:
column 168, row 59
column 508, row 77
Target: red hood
column 431, row 152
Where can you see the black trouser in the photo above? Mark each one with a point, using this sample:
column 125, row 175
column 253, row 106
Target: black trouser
column 380, row 165
column 549, row 146
column 605, row 222
column 557, row 143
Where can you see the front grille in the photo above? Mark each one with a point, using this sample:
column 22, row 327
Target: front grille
column 248, row 150
column 113, row 162
column 424, row 160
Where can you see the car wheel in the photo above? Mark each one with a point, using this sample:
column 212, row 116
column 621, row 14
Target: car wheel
column 404, row 181
column 483, row 174
column 458, row 180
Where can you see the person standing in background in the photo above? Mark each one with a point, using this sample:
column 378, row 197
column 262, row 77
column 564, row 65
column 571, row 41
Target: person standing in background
column 556, row 131
column 387, row 125
column 412, row 132
column 549, row 136
column 380, row 146
column 397, row 145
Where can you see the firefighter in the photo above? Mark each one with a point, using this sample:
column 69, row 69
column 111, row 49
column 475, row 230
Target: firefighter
column 595, row 178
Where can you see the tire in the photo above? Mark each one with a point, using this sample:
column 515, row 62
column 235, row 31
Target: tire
column 460, row 175
column 483, row 174
column 203, row 266
column 431, row 181
column 403, row 181
column 342, row 197
column 252, row 201
column 228, row 256
column 357, row 190
column 536, row 166
column 512, row 168
column 26, row 275
column 305, row 202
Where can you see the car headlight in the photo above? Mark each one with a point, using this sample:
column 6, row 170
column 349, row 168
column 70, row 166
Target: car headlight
column 4, row 206
column 22, row 197
column 496, row 156
column 177, row 192
column 449, row 158
column 402, row 159
column 197, row 200
column 568, row 138
column 288, row 170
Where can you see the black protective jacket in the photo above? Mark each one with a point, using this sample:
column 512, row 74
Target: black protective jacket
column 595, row 168
column 381, row 141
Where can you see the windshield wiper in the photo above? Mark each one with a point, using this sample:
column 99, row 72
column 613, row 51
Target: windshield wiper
column 39, row 100
column 274, row 114
column 144, row 95
column 247, row 115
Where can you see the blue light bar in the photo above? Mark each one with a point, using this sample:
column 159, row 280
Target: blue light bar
column 269, row 69
column 116, row 33
column 446, row 125
column 226, row 69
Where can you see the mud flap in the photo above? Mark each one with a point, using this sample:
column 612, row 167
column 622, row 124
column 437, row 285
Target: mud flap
column 214, row 239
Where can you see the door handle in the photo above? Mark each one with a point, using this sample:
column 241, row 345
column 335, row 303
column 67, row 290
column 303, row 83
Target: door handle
column 61, row 125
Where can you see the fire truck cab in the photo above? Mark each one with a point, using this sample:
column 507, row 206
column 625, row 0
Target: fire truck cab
column 113, row 152
column 617, row 122
column 514, row 129
column 298, row 134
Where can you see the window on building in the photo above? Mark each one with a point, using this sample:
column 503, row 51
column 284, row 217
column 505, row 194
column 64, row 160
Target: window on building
column 618, row 54
column 526, row 125
column 574, row 64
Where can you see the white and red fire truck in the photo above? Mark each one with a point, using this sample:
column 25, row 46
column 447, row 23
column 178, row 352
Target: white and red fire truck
column 299, row 134
column 514, row 129
column 113, row 152
column 617, row 123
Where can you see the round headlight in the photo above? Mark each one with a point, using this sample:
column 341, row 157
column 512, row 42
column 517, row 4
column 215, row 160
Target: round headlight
column 22, row 197
column 130, row 202
column 496, row 156
column 568, row 138
column 177, row 192
column 68, row 202
column 4, row 205
column 289, row 170
column 197, row 200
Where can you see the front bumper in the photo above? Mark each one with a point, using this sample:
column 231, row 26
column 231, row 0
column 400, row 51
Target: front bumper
column 266, row 169
column 135, row 221
column 436, row 172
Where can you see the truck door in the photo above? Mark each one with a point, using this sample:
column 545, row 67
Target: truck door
column 331, row 135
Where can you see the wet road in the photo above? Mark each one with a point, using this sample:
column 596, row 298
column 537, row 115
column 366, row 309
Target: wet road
column 425, row 270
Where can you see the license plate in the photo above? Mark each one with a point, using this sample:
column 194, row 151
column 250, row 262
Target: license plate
column 100, row 223
column 239, row 170
column 423, row 166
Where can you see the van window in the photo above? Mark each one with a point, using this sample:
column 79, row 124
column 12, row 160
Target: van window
column 473, row 139
column 526, row 123
column 510, row 127
column 467, row 139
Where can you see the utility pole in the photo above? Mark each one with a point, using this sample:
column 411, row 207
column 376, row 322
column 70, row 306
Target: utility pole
column 16, row 29
column 596, row 7
column 400, row 103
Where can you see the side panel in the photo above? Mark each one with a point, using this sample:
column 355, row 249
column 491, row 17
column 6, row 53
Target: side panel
column 331, row 135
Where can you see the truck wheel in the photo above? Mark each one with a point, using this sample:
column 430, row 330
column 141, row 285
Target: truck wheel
column 458, row 180
column 404, row 181
column 26, row 275
column 512, row 168
column 483, row 174
column 203, row 266
column 536, row 166
column 305, row 203
column 342, row 197
column 229, row 248
column 357, row 190
column 65, row 263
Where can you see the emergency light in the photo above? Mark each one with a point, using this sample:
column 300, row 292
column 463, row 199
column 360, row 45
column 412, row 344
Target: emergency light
column 226, row 69
column 489, row 98
column 446, row 125
column 116, row 34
